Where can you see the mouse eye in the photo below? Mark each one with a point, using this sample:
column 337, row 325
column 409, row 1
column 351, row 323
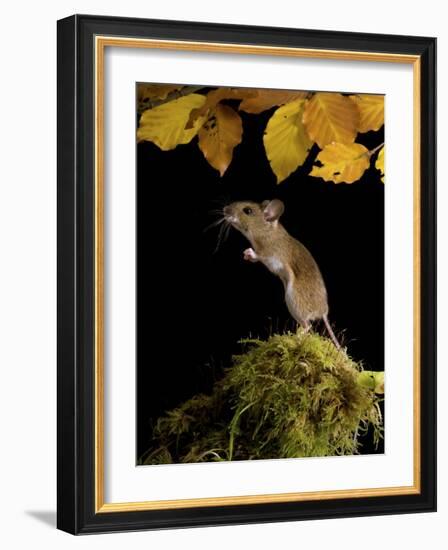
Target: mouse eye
column 247, row 210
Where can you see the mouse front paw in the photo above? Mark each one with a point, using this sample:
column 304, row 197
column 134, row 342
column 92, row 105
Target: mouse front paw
column 250, row 255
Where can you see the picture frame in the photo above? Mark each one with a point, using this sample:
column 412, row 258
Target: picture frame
column 82, row 240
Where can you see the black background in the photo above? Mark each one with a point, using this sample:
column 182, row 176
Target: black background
column 195, row 304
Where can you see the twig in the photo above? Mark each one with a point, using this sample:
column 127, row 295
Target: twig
column 373, row 151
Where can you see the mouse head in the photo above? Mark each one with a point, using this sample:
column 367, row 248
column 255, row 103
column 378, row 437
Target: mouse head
column 253, row 219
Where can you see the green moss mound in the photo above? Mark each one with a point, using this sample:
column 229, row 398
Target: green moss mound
column 293, row 395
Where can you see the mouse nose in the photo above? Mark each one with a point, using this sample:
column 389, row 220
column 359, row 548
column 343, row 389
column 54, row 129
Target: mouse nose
column 227, row 210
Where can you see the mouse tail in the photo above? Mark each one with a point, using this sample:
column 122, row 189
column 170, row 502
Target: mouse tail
column 331, row 333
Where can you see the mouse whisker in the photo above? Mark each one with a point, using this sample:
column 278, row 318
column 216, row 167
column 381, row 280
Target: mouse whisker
column 218, row 241
column 215, row 212
column 228, row 228
column 214, row 224
column 223, row 234
column 221, row 201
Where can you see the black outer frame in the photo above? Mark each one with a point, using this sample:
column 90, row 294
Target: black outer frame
column 76, row 406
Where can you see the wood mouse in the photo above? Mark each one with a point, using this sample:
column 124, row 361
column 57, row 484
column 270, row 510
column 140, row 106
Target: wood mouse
column 286, row 257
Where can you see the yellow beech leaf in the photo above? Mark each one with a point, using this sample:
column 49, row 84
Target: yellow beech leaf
column 285, row 139
column 156, row 91
column 214, row 97
column 379, row 164
column 147, row 93
column 266, row 99
column 219, row 136
column 371, row 111
column 342, row 163
column 164, row 125
column 331, row 117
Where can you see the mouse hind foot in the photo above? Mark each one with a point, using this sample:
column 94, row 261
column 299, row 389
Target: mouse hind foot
column 306, row 326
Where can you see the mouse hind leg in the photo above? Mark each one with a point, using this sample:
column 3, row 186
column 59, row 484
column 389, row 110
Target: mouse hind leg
column 296, row 313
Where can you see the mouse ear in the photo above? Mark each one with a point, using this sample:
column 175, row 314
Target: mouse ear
column 264, row 204
column 272, row 210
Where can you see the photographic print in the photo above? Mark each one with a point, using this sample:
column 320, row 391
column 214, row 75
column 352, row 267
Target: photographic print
column 260, row 273
column 246, row 292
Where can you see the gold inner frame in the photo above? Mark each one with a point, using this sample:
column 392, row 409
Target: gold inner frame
column 101, row 42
